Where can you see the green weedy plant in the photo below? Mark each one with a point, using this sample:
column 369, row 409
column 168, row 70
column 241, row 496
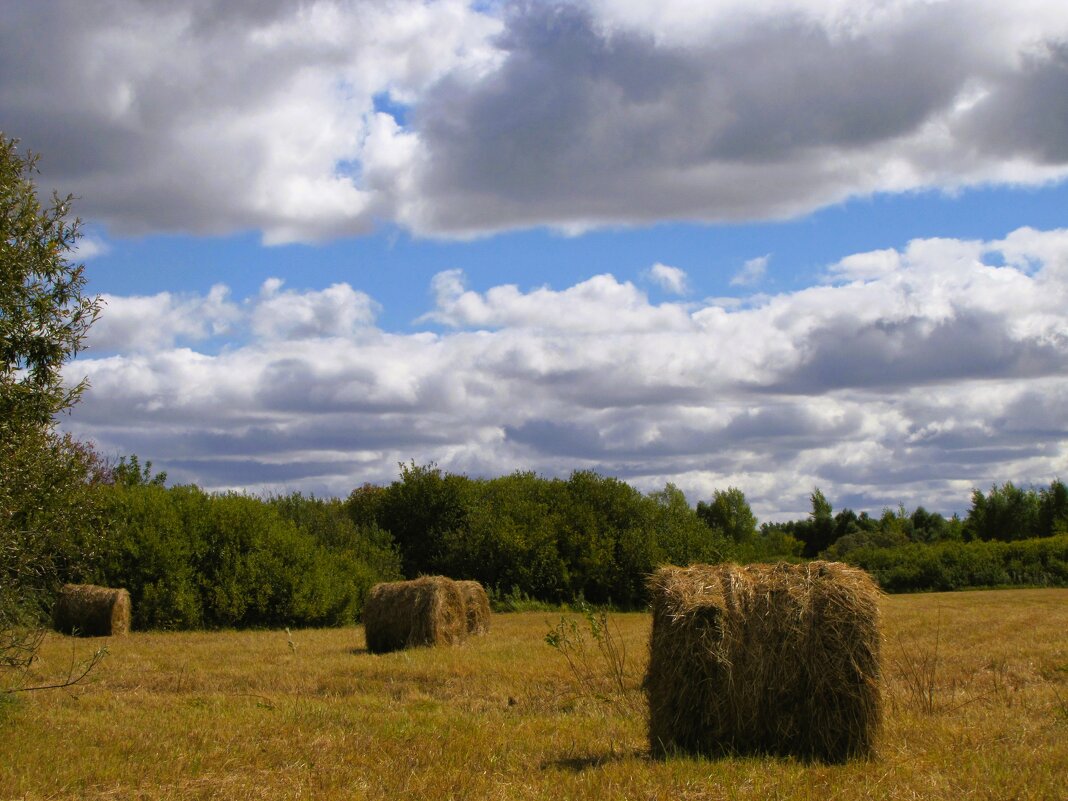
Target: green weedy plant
column 515, row 600
column 597, row 658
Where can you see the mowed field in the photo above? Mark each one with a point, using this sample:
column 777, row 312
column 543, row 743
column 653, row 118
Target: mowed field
column 976, row 692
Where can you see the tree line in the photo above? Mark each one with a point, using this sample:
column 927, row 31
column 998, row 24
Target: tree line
column 1010, row 536
column 193, row 559
column 1005, row 513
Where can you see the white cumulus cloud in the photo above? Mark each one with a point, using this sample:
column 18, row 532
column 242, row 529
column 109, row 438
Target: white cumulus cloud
column 156, row 322
column 670, row 279
column 89, row 247
column 752, row 271
column 598, row 305
column 336, row 311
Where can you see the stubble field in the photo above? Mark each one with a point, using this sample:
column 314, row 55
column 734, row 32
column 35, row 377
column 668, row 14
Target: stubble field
column 976, row 690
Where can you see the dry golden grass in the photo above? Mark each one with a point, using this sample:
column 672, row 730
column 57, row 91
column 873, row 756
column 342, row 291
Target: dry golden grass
column 976, row 694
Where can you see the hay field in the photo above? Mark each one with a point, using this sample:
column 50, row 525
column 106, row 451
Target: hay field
column 976, row 707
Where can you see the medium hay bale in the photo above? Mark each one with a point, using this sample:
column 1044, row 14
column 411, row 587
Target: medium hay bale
column 405, row 614
column 92, row 611
column 477, row 607
column 780, row 659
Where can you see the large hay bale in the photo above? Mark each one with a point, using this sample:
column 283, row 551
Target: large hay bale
column 404, row 614
column 779, row 659
column 92, row 611
column 477, row 607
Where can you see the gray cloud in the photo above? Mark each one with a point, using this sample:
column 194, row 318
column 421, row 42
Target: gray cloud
column 915, row 352
column 212, row 117
column 588, row 123
column 1027, row 113
column 777, row 431
column 626, row 99
column 209, row 117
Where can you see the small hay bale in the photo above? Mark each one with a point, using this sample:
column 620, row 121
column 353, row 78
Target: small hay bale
column 405, row 614
column 477, row 606
column 765, row 659
column 92, row 611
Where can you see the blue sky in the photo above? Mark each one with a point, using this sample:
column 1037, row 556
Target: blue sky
column 771, row 245
column 798, row 251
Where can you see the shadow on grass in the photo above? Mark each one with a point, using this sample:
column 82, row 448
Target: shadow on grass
column 579, row 764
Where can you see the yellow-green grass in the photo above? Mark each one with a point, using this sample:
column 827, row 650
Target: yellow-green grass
column 976, row 687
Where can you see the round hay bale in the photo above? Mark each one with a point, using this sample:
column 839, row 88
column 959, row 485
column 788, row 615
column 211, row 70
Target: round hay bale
column 405, row 614
column 477, row 607
column 780, row 659
column 92, row 611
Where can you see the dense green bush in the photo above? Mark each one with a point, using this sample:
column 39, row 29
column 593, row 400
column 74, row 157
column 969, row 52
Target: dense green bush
column 957, row 565
column 510, row 539
column 50, row 525
column 192, row 559
column 551, row 540
column 370, row 551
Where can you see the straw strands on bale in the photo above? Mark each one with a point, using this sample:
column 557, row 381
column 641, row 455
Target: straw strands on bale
column 779, row 659
column 92, row 611
column 477, row 606
column 404, row 614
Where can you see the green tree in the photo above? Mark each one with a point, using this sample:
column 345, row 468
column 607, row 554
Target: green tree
column 511, row 543
column 1053, row 509
column 893, row 529
column 46, row 515
column 44, row 311
column 605, row 538
column 773, row 542
column 129, row 472
column 364, row 504
column 1007, row 512
column 423, row 510
column 729, row 514
column 928, row 526
column 818, row 532
column 683, row 536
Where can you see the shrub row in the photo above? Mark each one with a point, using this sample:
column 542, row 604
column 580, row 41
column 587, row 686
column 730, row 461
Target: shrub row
column 192, row 559
column 957, row 565
column 196, row 560
column 588, row 537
